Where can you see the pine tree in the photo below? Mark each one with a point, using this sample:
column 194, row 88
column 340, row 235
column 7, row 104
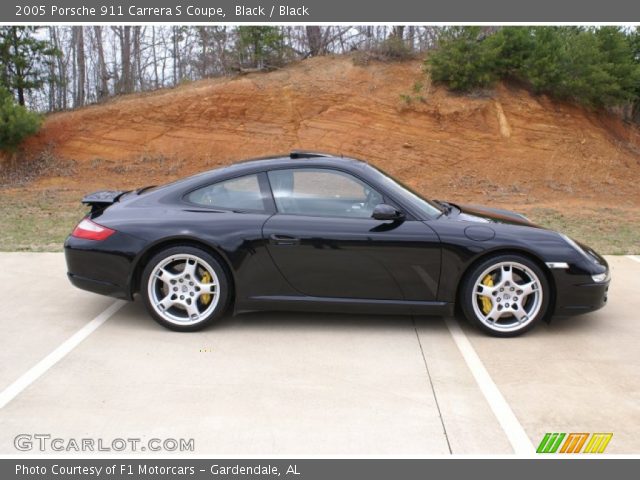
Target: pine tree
column 24, row 59
column 16, row 122
column 262, row 44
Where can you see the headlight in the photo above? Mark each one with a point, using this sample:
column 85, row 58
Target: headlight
column 578, row 248
column 600, row 277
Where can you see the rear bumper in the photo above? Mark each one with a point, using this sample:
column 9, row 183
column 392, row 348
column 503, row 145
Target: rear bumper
column 98, row 286
column 101, row 267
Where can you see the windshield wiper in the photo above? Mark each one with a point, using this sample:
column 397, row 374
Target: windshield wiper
column 446, row 207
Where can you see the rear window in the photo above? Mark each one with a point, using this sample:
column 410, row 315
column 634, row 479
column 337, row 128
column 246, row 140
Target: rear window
column 242, row 193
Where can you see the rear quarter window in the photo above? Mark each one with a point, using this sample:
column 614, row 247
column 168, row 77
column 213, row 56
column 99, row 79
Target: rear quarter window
column 241, row 193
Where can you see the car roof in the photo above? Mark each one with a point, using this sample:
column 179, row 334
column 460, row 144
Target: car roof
column 293, row 160
column 246, row 167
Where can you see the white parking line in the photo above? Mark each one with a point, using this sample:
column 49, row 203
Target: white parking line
column 58, row 354
column 508, row 421
column 634, row 257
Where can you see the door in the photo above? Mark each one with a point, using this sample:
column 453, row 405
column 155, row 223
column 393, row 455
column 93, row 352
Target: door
column 325, row 243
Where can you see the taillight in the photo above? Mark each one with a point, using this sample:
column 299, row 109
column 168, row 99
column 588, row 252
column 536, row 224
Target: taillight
column 91, row 231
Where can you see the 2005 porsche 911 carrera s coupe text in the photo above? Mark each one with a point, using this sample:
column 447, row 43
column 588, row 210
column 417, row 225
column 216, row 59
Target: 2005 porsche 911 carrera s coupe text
column 315, row 232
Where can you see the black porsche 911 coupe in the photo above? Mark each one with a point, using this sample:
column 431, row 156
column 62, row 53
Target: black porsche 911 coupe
column 315, row 232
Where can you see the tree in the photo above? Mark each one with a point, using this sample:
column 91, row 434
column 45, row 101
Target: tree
column 16, row 122
column 314, row 38
column 596, row 67
column 125, row 52
column 620, row 62
column 59, row 80
column 634, row 41
column 103, row 73
column 24, row 60
column 80, row 61
column 513, row 47
column 463, row 62
column 398, row 32
column 259, row 45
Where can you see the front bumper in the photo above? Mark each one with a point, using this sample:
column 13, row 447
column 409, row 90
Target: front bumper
column 583, row 298
column 577, row 292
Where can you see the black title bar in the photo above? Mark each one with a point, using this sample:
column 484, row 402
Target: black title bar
column 321, row 11
column 247, row 469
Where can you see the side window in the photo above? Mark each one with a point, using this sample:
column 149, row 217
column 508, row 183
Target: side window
column 241, row 193
column 322, row 192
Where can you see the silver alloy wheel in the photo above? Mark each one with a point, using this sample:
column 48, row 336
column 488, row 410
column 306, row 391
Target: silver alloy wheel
column 183, row 289
column 515, row 296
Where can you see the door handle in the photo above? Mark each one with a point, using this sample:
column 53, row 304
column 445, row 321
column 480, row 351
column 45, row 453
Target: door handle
column 276, row 239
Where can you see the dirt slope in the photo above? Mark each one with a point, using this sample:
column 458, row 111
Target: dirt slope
column 507, row 147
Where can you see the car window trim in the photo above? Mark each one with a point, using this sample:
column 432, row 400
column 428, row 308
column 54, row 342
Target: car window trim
column 385, row 197
column 267, row 197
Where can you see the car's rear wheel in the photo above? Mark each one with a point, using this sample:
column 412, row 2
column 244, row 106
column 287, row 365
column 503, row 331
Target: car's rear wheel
column 185, row 288
column 505, row 295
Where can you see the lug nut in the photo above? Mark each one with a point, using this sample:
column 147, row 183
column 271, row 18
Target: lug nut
column 181, row 297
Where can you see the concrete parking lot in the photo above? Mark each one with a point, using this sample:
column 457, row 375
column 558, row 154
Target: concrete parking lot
column 296, row 384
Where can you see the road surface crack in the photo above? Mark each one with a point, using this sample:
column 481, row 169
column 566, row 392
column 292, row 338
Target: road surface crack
column 433, row 390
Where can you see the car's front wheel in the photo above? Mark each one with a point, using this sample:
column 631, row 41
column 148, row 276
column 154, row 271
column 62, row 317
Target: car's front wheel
column 184, row 288
column 505, row 295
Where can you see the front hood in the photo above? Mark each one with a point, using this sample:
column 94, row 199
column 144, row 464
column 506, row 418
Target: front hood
column 477, row 213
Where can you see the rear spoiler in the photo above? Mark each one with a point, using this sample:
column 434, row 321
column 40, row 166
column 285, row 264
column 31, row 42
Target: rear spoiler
column 102, row 199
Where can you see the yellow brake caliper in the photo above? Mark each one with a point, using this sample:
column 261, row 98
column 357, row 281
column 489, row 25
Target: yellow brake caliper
column 206, row 278
column 486, row 301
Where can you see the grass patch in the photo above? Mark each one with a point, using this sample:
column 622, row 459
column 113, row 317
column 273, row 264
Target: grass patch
column 611, row 231
column 37, row 222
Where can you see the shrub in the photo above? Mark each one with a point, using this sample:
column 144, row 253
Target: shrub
column 593, row 66
column 464, row 63
column 392, row 49
column 16, row 122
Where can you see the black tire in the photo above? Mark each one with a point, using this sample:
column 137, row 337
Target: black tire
column 501, row 327
column 204, row 262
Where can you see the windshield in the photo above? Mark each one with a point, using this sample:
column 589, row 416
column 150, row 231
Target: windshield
column 425, row 207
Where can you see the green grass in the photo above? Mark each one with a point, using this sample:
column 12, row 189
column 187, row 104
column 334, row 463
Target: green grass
column 37, row 223
column 611, row 231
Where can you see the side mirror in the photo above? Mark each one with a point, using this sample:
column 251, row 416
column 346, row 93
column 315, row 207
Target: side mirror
column 386, row 212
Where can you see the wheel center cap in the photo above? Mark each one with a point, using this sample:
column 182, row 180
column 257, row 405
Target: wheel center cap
column 506, row 296
column 184, row 288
